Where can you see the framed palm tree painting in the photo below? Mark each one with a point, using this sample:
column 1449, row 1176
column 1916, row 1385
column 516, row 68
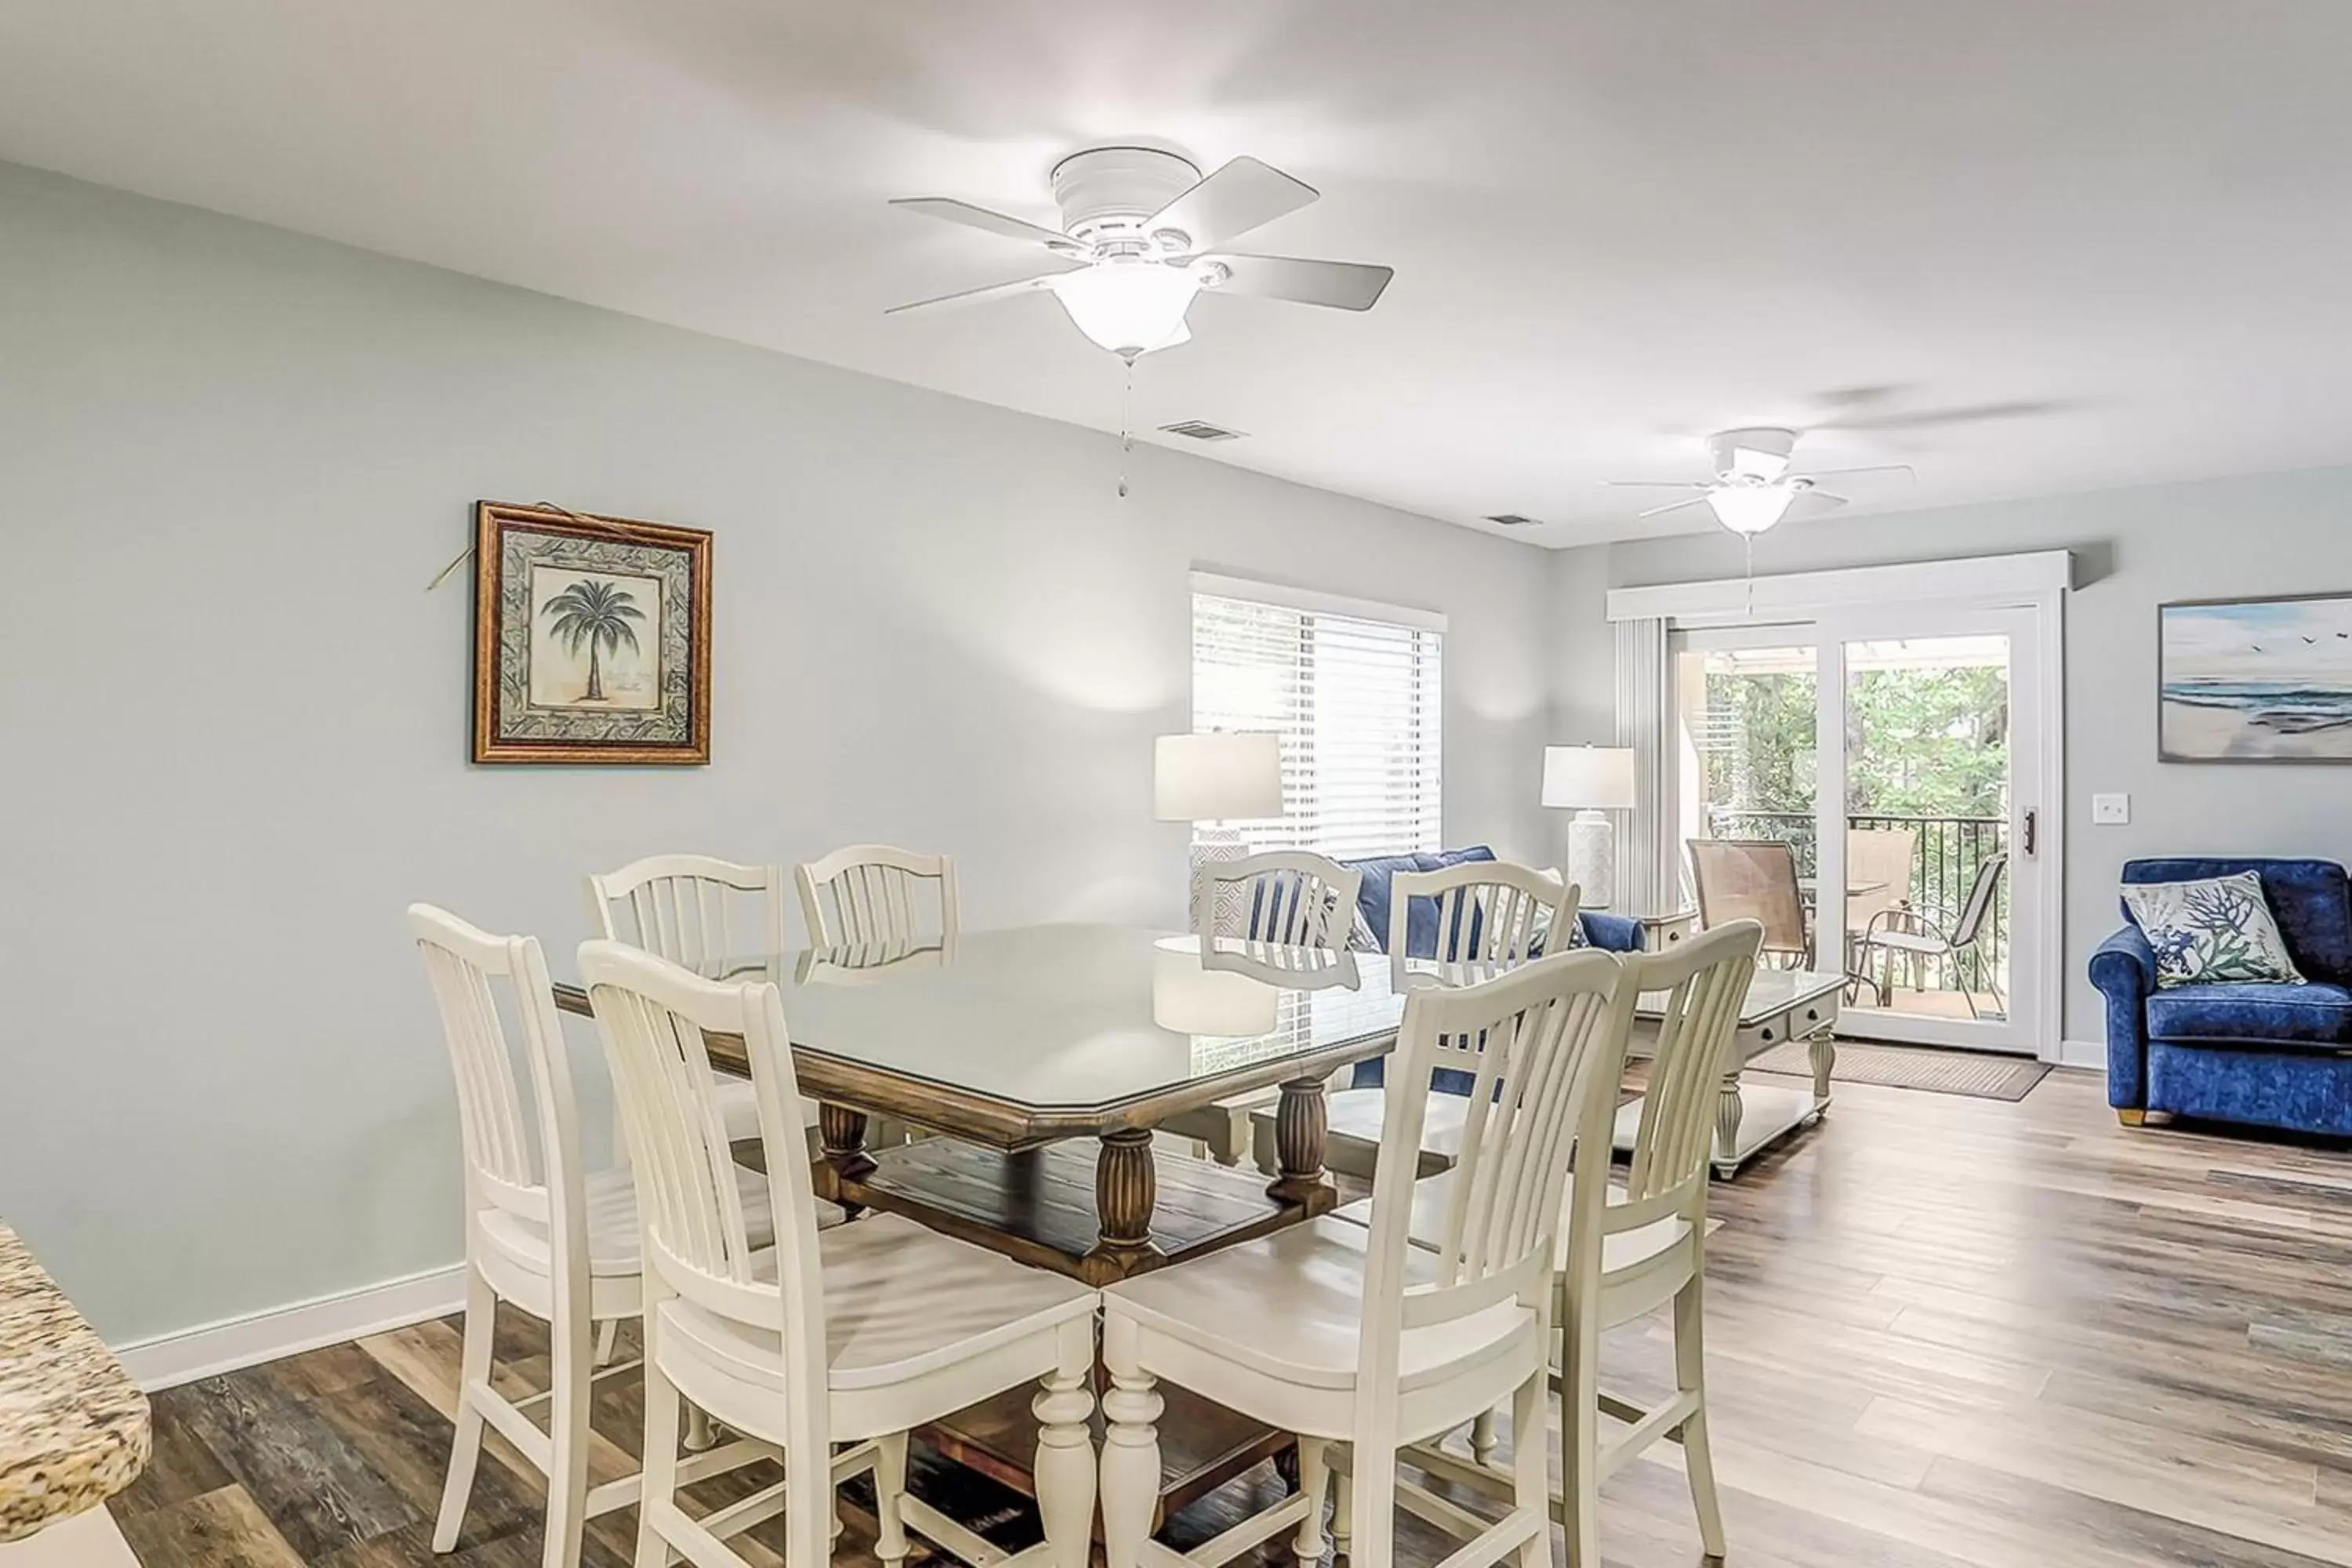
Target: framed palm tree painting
column 591, row 638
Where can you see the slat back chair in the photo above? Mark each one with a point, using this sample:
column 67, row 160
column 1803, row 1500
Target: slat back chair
column 690, row 909
column 740, row 1330
column 875, row 893
column 1475, row 1322
column 527, row 1226
column 1488, row 912
column 1753, row 880
column 1287, row 897
column 655, row 1019
column 1628, row 1254
column 698, row 911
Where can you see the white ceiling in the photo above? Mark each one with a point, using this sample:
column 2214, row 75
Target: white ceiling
column 2110, row 234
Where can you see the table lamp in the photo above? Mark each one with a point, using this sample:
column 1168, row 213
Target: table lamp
column 1594, row 780
column 1216, row 779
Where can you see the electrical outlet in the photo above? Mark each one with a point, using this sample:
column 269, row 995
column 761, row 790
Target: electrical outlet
column 2111, row 810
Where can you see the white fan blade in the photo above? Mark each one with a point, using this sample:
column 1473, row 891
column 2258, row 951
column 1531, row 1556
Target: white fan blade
column 1229, row 202
column 1659, row 484
column 1872, row 469
column 982, row 294
column 970, row 217
column 1671, row 505
column 1343, row 285
column 1812, row 503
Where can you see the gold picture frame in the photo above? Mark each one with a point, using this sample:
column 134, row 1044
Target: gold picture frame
column 592, row 639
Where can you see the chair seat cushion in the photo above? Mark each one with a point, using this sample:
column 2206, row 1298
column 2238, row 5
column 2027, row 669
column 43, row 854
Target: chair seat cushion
column 612, row 1203
column 739, row 1111
column 1290, row 1307
column 1432, row 1196
column 899, row 1301
column 2311, row 1013
column 1357, row 1113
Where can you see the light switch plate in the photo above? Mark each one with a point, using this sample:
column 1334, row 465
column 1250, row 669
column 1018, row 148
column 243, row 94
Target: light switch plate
column 2111, row 810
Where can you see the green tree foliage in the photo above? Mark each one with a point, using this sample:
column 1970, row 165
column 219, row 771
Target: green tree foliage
column 1920, row 741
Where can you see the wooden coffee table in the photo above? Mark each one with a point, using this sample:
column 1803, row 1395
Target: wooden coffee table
column 1782, row 1005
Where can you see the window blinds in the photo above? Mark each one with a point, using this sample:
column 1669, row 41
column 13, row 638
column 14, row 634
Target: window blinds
column 1357, row 703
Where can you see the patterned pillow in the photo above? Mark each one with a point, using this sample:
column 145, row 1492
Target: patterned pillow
column 1540, row 942
column 2217, row 929
column 1361, row 936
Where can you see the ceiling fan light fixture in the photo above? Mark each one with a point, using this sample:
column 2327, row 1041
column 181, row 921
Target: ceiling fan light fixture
column 1751, row 509
column 1128, row 307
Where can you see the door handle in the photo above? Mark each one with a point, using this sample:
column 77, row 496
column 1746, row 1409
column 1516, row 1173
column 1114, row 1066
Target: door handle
column 2032, row 834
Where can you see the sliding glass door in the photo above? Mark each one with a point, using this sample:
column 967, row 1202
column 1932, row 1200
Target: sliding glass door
column 1868, row 785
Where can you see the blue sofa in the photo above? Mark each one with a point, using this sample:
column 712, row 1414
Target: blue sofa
column 1611, row 933
column 2269, row 1055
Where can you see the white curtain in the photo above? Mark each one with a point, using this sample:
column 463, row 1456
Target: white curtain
column 1648, row 882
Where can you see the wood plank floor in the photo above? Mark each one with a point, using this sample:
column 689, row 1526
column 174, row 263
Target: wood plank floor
column 1943, row 1334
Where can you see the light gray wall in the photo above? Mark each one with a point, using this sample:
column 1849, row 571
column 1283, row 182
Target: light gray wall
column 230, row 459
column 2133, row 549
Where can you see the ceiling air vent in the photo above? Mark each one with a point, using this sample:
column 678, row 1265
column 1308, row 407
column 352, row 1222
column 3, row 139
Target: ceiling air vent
column 1201, row 430
column 1514, row 520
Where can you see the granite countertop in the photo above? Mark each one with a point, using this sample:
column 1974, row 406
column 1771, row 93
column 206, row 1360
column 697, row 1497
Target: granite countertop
column 73, row 1428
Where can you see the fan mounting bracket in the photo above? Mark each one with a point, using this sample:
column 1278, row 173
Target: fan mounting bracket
column 1106, row 194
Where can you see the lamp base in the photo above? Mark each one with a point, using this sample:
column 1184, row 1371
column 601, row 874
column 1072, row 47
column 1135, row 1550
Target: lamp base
column 1592, row 858
column 1210, row 844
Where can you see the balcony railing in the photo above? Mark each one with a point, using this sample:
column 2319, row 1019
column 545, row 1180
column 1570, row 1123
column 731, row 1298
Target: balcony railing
column 1945, row 853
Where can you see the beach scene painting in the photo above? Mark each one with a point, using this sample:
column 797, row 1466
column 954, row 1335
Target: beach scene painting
column 2255, row 680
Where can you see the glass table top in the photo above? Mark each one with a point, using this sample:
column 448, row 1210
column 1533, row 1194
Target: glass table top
column 1071, row 1017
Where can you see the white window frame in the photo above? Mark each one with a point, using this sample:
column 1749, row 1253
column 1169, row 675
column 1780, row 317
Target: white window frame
column 1316, row 602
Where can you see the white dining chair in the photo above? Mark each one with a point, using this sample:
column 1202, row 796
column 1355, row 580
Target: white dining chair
column 870, row 893
column 699, row 912
column 1489, row 913
column 1283, row 898
column 541, row 1234
column 849, row 1336
column 1360, row 1343
column 1290, row 898
column 1625, row 1251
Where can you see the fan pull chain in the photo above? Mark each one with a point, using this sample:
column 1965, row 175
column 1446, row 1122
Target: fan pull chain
column 1125, row 424
column 1748, row 541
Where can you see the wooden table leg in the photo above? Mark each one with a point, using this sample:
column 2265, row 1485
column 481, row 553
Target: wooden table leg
column 1300, row 1126
column 1126, row 1189
column 843, row 1131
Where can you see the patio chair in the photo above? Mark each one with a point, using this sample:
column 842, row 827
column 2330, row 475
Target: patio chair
column 1754, row 879
column 1911, row 933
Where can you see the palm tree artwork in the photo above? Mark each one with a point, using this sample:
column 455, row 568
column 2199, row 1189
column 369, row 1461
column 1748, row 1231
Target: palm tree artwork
column 596, row 615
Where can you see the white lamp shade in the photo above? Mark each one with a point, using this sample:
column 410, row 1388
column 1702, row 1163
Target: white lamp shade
column 1188, row 998
column 1232, row 777
column 1598, row 778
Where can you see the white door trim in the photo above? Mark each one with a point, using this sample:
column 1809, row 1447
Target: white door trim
column 2037, row 581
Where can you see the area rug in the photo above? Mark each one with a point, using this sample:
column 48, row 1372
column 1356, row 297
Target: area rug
column 1971, row 1073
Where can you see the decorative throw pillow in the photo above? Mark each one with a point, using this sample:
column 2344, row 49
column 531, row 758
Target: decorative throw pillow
column 2217, row 929
column 1361, row 936
column 1539, row 942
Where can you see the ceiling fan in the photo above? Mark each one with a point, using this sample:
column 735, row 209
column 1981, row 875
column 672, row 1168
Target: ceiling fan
column 1143, row 234
column 1753, row 487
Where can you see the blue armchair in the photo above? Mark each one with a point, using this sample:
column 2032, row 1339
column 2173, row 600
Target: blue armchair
column 1611, row 933
column 2269, row 1055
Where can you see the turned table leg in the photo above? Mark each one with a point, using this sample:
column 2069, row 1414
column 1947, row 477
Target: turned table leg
column 843, row 1133
column 1126, row 1189
column 1728, row 1110
column 1300, row 1126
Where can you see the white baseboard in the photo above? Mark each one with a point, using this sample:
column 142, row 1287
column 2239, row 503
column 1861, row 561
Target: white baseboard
column 233, row 1342
column 2092, row 1054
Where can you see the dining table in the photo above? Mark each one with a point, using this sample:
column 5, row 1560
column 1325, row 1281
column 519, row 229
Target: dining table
column 1035, row 1063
